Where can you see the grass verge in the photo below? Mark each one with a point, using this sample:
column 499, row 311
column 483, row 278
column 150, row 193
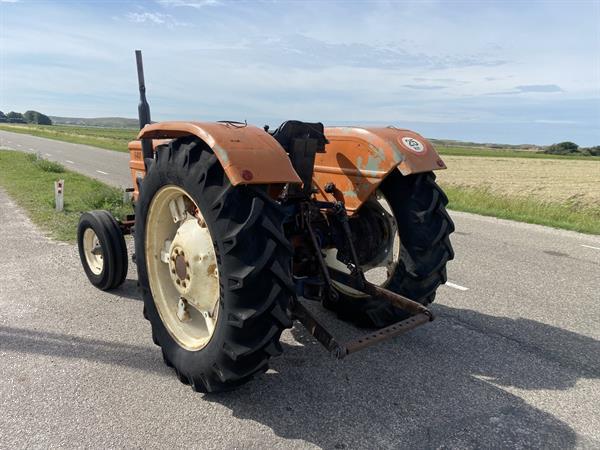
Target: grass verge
column 482, row 201
column 30, row 183
column 108, row 138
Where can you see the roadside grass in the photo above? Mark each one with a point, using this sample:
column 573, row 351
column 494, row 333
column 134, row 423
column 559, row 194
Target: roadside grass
column 108, row 138
column 585, row 219
column 30, row 183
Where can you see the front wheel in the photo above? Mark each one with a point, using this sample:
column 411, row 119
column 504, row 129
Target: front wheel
column 214, row 268
column 102, row 249
column 415, row 247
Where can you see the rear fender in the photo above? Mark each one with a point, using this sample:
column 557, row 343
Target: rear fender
column 248, row 154
column 358, row 159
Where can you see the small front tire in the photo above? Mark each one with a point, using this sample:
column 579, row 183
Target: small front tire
column 102, row 249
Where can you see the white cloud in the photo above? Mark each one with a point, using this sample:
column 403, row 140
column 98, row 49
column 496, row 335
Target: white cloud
column 153, row 17
column 190, row 3
column 9, row 1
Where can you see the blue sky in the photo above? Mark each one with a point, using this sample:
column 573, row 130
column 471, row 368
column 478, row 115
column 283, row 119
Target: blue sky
column 509, row 71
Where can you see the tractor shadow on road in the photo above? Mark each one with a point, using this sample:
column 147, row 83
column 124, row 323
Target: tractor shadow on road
column 447, row 384
column 61, row 345
column 128, row 290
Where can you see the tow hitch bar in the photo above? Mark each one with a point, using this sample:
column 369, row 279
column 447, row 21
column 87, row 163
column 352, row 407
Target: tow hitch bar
column 419, row 316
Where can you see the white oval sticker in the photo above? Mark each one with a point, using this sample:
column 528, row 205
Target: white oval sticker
column 413, row 144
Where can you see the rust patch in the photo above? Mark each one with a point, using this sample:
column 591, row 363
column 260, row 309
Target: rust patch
column 211, row 269
column 180, row 266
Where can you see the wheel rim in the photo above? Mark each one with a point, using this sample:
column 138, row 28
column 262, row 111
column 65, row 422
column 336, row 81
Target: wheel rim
column 93, row 251
column 375, row 274
column 182, row 267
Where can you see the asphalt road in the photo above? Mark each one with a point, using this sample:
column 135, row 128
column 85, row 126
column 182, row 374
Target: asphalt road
column 513, row 359
column 105, row 165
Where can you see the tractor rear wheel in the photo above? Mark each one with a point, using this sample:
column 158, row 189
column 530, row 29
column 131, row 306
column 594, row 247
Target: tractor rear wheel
column 214, row 268
column 423, row 226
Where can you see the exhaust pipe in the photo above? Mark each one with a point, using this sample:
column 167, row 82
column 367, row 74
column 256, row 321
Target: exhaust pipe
column 143, row 107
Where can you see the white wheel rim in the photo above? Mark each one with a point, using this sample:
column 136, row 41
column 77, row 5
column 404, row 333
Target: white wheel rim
column 383, row 270
column 93, row 251
column 182, row 268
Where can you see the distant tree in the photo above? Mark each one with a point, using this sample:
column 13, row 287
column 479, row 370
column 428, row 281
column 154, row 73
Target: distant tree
column 37, row 118
column 3, row 117
column 593, row 151
column 15, row 117
column 563, row 148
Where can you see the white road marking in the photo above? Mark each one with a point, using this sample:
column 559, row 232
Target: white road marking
column 32, row 149
column 456, row 286
column 47, row 154
column 69, row 161
column 589, row 246
column 103, row 173
column 19, row 145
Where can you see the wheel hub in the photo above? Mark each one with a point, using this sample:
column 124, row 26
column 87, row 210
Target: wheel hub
column 193, row 265
column 180, row 266
column 93, row 251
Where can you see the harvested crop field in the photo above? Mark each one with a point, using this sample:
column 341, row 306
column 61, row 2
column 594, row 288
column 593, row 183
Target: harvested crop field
column 574, row 183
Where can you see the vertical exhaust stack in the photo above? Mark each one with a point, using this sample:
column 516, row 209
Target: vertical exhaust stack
column 143, row 107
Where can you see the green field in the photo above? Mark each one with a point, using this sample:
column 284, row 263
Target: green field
column 30, row 182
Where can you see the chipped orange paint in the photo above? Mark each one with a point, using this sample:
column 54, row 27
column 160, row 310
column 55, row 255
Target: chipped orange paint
column 248, row 154
column 357, row 160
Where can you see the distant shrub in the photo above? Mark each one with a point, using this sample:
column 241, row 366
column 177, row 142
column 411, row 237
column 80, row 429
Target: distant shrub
column 3, row 117
column 570, row 148
column 593, row 151
column 37, row 118
column 563, row 148
column 15, row 117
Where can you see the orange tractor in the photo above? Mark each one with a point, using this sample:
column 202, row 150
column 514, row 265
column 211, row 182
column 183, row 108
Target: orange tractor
column 237, row 227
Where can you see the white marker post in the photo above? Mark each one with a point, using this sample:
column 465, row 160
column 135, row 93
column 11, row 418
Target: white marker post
column 59, row 190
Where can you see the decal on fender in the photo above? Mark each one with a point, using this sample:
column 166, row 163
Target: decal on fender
column 413, row 144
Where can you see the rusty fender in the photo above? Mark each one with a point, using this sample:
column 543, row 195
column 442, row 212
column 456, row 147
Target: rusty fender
column 357, row 159
column 248, row 154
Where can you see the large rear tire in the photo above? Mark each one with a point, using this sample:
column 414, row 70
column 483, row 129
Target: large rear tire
column 253, row 260
column 418, row 205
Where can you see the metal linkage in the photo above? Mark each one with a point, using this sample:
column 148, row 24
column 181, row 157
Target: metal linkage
column 356, row 280
column 373, row 290
column 341, row 350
